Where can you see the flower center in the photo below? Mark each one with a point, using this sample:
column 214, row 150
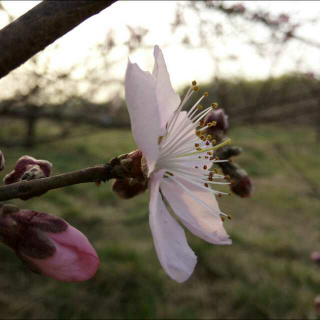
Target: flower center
column 187, row 152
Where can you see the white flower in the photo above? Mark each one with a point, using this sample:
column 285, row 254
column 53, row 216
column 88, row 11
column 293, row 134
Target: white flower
column 178, row 155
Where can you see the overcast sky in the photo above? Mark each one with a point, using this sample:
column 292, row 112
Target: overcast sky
column 184, row 65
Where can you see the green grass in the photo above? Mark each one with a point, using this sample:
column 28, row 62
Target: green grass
column 266, row 273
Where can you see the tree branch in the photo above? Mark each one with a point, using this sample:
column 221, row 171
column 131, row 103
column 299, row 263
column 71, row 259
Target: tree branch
column 40, row 27
column 31, row 188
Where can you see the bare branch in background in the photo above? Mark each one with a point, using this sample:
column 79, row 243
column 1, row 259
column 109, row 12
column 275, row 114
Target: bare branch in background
column 40, row 27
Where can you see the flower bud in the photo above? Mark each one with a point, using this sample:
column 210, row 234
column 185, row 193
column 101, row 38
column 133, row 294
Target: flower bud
column 315, row 257
column 242, row 187
column 220, row 119
column 48, row 244
column 28, row 168
column 316, row 303
column 2, row 161
column 129, row 188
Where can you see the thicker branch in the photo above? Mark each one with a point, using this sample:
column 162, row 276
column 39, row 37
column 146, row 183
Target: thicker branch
column 40, row 27
column 34, row 187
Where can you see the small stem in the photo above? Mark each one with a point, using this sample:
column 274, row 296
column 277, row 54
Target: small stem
column 34, row 187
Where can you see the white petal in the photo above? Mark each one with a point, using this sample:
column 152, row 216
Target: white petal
column 174, row 254
column 144, row 111
column 168, row 100
column 195, row 217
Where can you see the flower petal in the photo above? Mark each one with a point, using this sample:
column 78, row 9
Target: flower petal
column 144, row 111
column 174, row 254
column 168, row 100
column 195, row 217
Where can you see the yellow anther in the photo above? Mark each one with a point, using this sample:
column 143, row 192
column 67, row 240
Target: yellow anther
column 229, row 216
column 217, row 158
column 195, row 88
column 160, row 139
column 219, row 195
column 198, row 133
column 209, row 153
column 201, row 123
column 209, row 137
column 222, row 218
column 170, row 174
column 194, row 83
column 209, row 124
column 205, row 167
column 232, row 183
column 216, row 170
column 213, row 142
column 199, row 149
column 199, row 107
column 206, row 185
column 229, row 194
column 196, row 145
column 227, row 177
column 214, row 123
column 206, row 94
column 214, row 105
column 206, row 157
column 211, row 158
column 210, row 179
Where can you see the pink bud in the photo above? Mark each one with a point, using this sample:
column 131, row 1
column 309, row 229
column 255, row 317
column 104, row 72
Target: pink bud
column 28, row 168
column 242, row 187
column 316, row 303
column 48, row 244
column 2, row 161
column 315, row 257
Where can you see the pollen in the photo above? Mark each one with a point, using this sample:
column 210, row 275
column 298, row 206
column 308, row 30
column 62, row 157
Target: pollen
column 209, row 137
column 194, row 83
column 222, row 218
column 199, row 107
column 206, row 185
column 213, row 142
column 195, row 88
column 201, row 123
column 205, row 167
column 199, row 149
column 196, row 145
column 219, row 195
column 206, row 94
column 229, row 216
column 209, row 153
column 214, row 123
column 217, row 158
column 170, row 173
column 198, row 133
column 214, row 105
column 227, row 177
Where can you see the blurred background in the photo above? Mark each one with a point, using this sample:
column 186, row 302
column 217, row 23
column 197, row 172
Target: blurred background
column 261, row 62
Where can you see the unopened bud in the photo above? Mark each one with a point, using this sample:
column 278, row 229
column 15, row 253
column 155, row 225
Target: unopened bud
column 316, row 303
column 28, row 168
column 129, row 188
column 220, row 119
column 2, row 161
column 315, row 257
column 48, row 244
column 242, row 187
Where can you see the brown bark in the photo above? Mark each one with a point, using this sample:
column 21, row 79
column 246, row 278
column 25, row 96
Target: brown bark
column 40, row 27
